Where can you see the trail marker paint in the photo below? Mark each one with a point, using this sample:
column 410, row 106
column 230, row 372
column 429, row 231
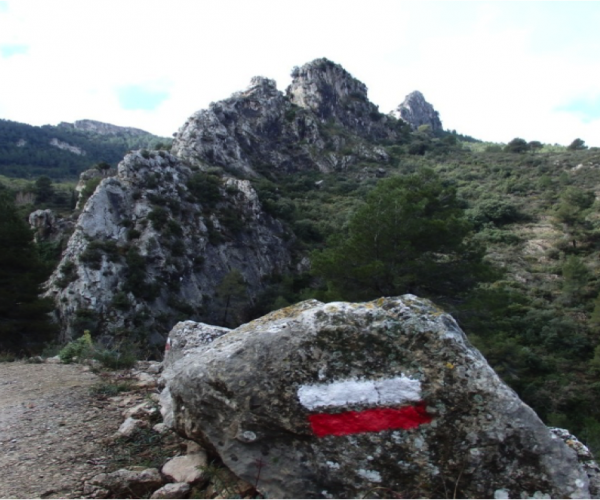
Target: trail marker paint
column 395, row 404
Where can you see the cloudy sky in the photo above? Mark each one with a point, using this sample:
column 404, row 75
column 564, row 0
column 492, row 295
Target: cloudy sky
column 493, row 70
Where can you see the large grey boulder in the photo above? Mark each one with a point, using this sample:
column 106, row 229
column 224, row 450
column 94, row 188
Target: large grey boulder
column 344, row 400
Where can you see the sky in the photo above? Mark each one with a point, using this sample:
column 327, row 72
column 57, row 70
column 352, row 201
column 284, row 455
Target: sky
column 493, row 70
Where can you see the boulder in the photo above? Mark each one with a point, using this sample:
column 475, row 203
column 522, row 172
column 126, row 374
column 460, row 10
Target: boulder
column 341, row 400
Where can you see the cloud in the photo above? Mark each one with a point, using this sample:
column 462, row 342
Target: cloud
column 585, row 108
column 139, row 97
column 494, row 70
column 13, row 50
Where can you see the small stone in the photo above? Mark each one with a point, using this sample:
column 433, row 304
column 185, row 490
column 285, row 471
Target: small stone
column 172, row 490
column 186, row 468
column 125, row 482
column 160, row 428
column 129, row 426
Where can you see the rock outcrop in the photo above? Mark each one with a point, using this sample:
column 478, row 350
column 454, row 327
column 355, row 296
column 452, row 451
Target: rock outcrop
column 48, row 227
column 341, row 400
column 154, row 243
column 324, row 122
column 416, row 111
column 102, row 128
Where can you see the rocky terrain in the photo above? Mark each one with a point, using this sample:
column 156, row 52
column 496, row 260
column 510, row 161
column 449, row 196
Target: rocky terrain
column 169, row 234
column 292, row 405
column 51, row 430
column 156, row 241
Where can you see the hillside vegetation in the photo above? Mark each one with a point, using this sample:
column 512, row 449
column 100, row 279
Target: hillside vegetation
column 62, row 152
column 505, row 237
column 534, row 212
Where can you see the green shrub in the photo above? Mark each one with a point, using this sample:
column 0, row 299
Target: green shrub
column 116, row 359
column 110, row 388
column 159, row 217
column 205, row 188
column 92, row 255
column 121, row 301
column 89, row 188
column 69, row 274
column 78, row 349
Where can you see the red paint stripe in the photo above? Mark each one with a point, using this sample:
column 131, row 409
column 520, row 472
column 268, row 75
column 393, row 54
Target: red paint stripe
column 374, row 420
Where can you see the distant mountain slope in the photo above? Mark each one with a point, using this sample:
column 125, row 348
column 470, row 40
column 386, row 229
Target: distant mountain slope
column 64, row 151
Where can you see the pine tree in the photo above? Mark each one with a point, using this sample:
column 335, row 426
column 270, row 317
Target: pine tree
column 24, row 320
column 411, row 236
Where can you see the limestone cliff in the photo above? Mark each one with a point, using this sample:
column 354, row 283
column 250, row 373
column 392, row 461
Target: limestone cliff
column 323, row 122
column 416, row 111
column 154, row 243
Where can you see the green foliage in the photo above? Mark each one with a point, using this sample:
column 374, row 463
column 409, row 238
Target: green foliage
column 94, row 252
column 85, row 319
column 517, row 145
column 159, row 217
column 232, row 293
column 89, row 188
column 68, row 274
column 135, row 281
column 409, row 237
column 205, row 188
column 110, row 388
column 145, row 447
column 117, row 358
column 572, row 212
column 26, row 151
column 121, row 301
column 78, row 349
column 84, row 349
column 577, row 144
column 24, row 323
column 498, row 211
column 44, row 191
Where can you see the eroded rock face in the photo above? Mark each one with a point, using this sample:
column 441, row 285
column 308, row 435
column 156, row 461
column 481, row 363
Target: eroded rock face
column 153, row 244
column 416, row 111
column 48, row 227
column 262, row 129
column 339, row 400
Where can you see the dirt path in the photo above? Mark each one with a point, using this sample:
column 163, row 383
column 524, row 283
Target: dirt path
column 51, row 430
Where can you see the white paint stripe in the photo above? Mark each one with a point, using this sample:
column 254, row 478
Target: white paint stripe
column 397, row 390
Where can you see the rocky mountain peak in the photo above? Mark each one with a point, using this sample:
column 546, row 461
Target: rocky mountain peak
column 261, row 86
column 322, row 85
column 261, row 129
column 416, row 111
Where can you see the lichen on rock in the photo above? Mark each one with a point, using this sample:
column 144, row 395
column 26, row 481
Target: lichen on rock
column 339, row 399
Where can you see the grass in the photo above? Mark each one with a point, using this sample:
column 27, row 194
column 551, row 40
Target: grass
column 8, row 357
column 145, row 447
column 110, row 388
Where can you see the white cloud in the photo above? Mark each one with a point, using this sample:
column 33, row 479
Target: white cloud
column 484, row 66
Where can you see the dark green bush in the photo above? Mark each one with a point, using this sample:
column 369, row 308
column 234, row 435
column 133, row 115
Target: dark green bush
column 159, row 217
column 205, row 188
